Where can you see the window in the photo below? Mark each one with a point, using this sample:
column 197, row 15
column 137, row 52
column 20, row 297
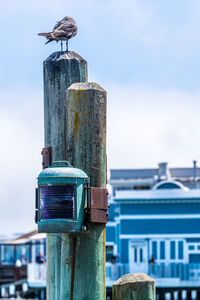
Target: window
column 142, row 187
column 109, row 252
column 180, row 250
column 154, row 249
column 172, row 250
column 135, row 250
column 162, row 250
column 9, row 255
column 191, row 247
column 141, row 255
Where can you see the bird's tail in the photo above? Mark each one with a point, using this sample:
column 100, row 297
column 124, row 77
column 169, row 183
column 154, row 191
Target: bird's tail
column 49, row 40
column 47, row 34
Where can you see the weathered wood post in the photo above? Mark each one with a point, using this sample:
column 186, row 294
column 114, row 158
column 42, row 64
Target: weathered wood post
column 61, row 69
column 86, row 149
column 138, row 286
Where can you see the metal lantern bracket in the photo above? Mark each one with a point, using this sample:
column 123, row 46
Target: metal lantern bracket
column 97, row 205
column 46, row 157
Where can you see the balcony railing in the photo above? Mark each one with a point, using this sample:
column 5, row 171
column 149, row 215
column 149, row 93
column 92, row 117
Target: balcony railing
column 36, row 273
column 181, row 271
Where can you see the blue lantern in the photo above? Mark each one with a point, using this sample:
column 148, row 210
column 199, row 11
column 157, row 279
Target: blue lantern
column 61, row 198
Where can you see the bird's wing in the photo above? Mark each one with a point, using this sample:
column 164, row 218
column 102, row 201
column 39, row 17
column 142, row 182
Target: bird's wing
column 59, row 34
column 66, row 26
column 69, row 20
column 58, row 24
column 62, row 33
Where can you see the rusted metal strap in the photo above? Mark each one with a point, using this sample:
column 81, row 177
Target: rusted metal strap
column 46, row 157
column 98, row 205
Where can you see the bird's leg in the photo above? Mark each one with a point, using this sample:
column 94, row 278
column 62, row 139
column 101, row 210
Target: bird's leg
column 67, row 46
column 61, row 46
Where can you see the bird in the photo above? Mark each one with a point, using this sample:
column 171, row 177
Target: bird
column 62, row 31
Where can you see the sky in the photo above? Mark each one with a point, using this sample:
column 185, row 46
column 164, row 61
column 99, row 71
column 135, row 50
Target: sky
column 145, row 53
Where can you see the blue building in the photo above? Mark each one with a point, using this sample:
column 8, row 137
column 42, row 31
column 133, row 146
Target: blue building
column 154, row 225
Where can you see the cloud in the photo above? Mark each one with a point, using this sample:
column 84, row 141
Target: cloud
column 145, row 126
column 148, row 125
column 21, row 132
column 145, row 47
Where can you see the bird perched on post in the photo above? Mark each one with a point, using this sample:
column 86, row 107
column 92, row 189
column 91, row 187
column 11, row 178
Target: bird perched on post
column 62, row 31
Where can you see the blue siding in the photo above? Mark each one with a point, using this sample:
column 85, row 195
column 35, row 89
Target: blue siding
column 124, row 251
column 111, row 211
column 110, row 233
column 160, row 226
column 117, row 233
column 162, row 208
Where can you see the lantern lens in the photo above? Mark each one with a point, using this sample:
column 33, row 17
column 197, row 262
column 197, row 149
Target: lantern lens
column 57, row 202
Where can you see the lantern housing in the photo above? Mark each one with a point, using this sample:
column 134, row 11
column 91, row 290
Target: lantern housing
column 61, row 198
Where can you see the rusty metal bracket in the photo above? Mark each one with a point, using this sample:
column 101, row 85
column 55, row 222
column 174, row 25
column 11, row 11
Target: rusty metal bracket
column 46, row 157
column 98, row 205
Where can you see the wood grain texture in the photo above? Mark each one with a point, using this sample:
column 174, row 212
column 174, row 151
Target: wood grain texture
column 137, row 286
column 86, row 149
column 60, row 71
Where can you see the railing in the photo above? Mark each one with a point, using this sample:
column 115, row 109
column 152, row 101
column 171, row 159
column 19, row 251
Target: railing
column 115, row 271
column 12, row 273
column 36, row 272
column 186, row 272
column 181, row 271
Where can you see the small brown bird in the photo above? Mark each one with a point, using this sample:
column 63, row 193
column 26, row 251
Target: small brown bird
column 62, row 31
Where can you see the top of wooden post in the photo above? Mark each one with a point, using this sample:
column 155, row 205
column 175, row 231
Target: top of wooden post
column 134, row 278
column 62, row 55
column 86, row 86
column 134, row 286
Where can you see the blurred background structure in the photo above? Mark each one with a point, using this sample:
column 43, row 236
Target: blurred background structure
column 145, row 53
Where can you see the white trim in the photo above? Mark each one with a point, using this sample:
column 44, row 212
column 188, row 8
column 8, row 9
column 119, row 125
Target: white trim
column 111, row 224
column 161, row 236
column 163, row 216
column 174, row 182
column 130, row 182
column 110, row 243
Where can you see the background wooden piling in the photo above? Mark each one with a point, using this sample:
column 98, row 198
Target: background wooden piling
column 138, row 286
column 61, row 69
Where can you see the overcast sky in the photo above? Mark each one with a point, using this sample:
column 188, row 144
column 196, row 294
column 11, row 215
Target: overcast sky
column 145, row 53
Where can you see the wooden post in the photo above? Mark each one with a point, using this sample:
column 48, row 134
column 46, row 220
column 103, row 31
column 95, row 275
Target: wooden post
column 61, row 69
column 86, row 149
column 138, row 286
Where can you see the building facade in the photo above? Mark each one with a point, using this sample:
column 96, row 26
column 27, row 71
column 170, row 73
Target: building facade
column 154, row 225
